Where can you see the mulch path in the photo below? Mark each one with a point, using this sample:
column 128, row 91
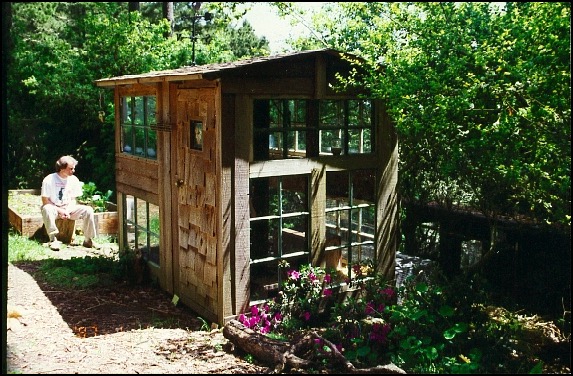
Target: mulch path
column 124, row 328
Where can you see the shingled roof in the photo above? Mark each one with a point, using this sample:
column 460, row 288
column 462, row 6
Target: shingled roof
column 212, row 70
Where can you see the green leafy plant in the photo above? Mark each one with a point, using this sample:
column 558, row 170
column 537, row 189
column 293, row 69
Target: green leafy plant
column 205, row 325
column 95, row 198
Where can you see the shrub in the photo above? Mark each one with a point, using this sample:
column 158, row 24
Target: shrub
column 423, row 327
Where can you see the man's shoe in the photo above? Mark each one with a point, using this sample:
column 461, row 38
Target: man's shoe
column 56, row 245
column 88, row 244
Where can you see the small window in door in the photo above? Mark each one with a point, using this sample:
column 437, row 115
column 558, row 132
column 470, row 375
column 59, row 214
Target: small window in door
column 196, row 135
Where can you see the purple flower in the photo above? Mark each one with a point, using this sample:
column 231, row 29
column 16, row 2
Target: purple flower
column 369, row 308
column 327, row 292
column 379, row 333
column 306, row 316
column 327, row 278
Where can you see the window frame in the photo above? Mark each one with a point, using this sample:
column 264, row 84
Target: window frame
column 281, row 257
column 277, row 134
column 133, row 228
column 138, row 134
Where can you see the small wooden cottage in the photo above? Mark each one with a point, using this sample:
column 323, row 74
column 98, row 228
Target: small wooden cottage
column 226, row 172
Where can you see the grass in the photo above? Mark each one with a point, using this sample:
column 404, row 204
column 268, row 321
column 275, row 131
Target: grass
column 74, row 273
column 21, row 248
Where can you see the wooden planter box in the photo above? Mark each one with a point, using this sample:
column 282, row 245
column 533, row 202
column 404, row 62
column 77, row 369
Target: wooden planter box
column 30, row 225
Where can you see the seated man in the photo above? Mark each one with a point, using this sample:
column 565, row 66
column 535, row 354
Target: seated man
column 59, row 192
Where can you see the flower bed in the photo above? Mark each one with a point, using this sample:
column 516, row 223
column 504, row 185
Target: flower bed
column 24, row 214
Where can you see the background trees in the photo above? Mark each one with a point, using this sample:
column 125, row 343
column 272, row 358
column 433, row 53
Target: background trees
column 480, row 92
column 481, row 96
column 60, row 49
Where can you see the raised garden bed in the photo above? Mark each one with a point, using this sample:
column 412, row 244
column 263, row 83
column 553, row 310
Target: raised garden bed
column 24, row 214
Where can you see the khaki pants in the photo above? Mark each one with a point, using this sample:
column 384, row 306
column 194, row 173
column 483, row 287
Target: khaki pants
column 83, row 212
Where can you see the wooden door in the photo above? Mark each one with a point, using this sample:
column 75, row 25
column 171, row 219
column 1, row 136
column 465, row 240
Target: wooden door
column 195, row 222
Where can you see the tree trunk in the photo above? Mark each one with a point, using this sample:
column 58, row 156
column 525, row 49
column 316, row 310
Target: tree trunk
column 283, row 354
column 167, row 8
column 133, row 6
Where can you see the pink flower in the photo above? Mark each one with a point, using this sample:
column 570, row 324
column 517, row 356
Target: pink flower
column 327, row 292
column 388, row 292
column 254, row 310
column 243, row 319
column 266, row 328
column 293, row 274
column 327, row 278
column 306, row 316
column 254, row 321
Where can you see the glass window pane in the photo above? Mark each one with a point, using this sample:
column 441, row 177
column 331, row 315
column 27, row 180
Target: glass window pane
column 141, row 213
column 363, row 220
column 126, row 110
column 359, row 113
column 327, row 141
column 294, row 234
column 337, row 189
column 151, row 144
column 298, row 113
column 331, row 114
column 364, row 186
column 264, row 238
column 139, row 141
column 294, row 194
column 264, row 280
column 138, row 112
column 337, row 227
column 127, row 139
column 296, row 143
column 153, row 254
column 356, row 142
column 276, row 114
column 151, row 105
column 275, row 145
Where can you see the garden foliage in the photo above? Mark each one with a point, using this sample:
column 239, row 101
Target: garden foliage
column 425, row 326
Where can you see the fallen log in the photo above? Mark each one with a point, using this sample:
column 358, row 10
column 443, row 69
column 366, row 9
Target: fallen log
column 298, row 354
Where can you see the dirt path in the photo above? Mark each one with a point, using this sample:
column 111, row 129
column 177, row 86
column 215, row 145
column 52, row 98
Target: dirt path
column 40, row 341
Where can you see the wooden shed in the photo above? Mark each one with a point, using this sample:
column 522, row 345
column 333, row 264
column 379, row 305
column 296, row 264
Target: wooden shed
column 226, row 172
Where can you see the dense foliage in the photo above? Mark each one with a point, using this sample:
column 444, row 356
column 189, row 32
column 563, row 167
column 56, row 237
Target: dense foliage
column 59, row 49
column 481, row 96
